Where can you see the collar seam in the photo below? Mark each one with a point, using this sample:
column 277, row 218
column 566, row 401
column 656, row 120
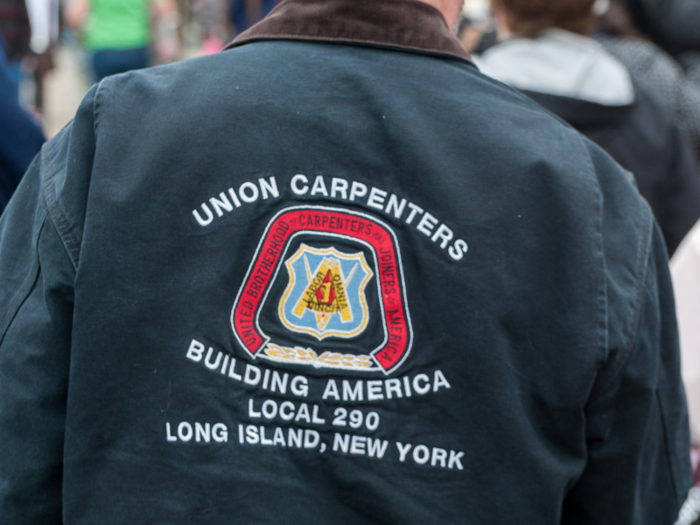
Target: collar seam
column 352, row 42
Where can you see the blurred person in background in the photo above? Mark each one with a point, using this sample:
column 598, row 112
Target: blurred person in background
column 212, row 17
column 118, row 35
column 477, row 28
column 20, row 137
column 17, row 33
column 246, row 13
column 44, row 19
column 649, row 62
column 551, row 58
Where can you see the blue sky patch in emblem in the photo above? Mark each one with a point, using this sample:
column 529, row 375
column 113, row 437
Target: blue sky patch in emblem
column 326, row 293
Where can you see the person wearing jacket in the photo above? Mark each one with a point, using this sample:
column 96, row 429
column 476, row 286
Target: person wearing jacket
column 334, row 274
column 556, row 63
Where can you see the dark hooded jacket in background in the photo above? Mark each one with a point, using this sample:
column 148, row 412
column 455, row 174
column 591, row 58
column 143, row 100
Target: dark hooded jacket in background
column 678, row 88
column 673, row 24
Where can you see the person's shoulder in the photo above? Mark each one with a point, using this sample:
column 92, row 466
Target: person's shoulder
column 535, row 134
column 168, row 78
column 510, row 106
column 537, row 141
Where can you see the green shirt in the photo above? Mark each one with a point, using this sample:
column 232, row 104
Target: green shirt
column 118, row 24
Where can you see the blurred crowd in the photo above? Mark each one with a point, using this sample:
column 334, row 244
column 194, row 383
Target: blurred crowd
column 110, row 36
column 51, row 51
column 625, row 73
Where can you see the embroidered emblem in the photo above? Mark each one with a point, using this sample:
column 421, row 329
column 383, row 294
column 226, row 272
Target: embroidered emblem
column 325, row 296
column 326, row 293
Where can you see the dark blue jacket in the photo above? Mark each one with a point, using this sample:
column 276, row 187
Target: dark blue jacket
column 334, row 275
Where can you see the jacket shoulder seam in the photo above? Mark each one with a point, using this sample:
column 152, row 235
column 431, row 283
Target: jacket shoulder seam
column 601, row 296
column 59, row 219
column 96, row 107
column 640, row 277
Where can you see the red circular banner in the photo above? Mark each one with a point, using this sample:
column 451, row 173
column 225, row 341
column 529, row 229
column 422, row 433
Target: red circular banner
column 333, row 222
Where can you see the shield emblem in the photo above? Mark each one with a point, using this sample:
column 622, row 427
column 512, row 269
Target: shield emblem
column 326, row 293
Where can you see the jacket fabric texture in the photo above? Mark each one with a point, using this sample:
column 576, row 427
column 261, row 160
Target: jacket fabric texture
column 334, row 274
column 637, row 128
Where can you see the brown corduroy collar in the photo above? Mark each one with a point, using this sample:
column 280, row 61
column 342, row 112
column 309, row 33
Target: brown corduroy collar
column 408, row 25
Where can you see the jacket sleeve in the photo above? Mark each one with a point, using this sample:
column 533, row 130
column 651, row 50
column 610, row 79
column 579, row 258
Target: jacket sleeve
column 637, row 436
column 37, row 273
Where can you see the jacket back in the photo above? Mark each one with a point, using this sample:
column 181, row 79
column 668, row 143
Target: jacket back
column 333, row 283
